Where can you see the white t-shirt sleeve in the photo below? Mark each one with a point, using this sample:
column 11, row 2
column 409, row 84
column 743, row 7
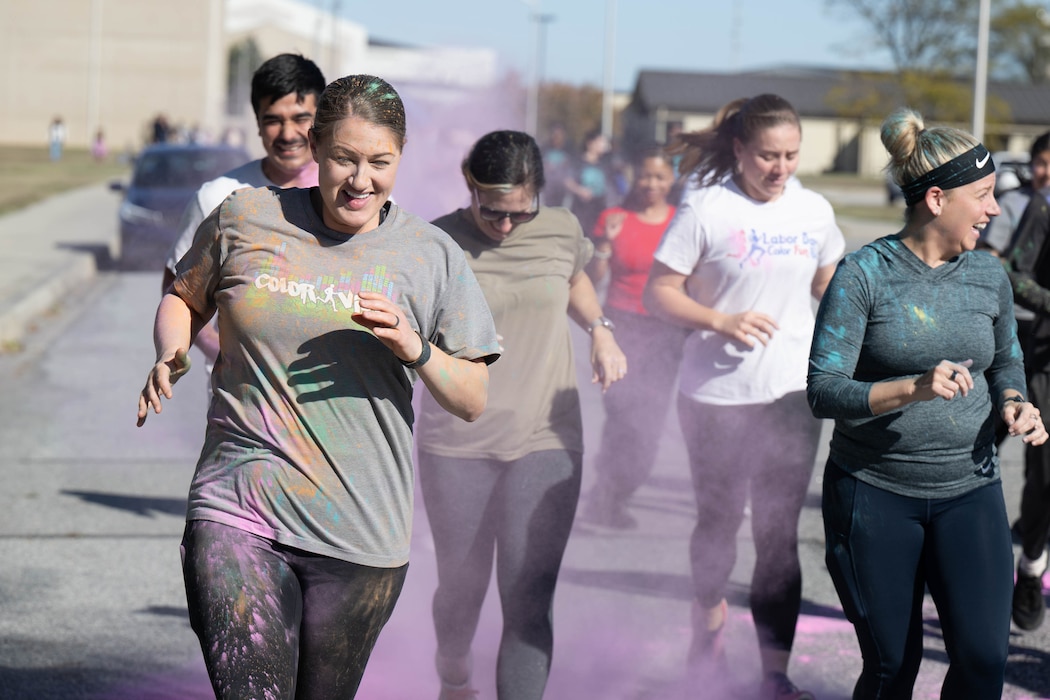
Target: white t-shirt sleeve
column 192, row 216
column 834, row 242
column 682, row 244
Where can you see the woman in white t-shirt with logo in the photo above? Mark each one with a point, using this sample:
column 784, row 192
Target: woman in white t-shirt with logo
column 747, row 252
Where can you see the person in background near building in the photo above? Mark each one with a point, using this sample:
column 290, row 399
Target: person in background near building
column 98, row 147
column 232, row 136
column 1027, row 259
column 557, row 167
column 589, row 185
column 914, row 345
column 284, row 95
column 505, row 488
column 160, row 130
column 674, row 130
column 332, row 300
column 625, row 240
column 747, row 252
column 56, row 138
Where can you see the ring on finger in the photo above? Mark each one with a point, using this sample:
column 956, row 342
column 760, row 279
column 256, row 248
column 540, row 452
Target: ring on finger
column 954, row 374
column 397, row 321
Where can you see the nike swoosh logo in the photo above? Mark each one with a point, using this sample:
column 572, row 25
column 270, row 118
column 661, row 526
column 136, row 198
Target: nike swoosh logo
column 981, row 163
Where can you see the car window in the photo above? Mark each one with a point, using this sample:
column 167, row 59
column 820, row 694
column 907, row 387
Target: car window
column 189, row 168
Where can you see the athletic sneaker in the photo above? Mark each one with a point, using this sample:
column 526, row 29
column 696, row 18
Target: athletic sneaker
column 777, row 686
column 463, row 692
column 1029, row 606
column 600, row 509
column 707, row 653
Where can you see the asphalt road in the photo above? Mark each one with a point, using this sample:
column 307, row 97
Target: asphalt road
column 90, row 519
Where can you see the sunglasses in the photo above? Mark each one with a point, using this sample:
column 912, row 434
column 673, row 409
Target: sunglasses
column 516, row 217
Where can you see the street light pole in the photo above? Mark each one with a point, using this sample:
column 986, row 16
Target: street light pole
column 980, row 86
column 541, row 64
column 536, row 65
column 532, row 90
column 610, row 60
column 94, row 99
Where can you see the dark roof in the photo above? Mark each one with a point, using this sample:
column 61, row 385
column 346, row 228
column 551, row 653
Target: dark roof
column 390, row 43
column 808, row 90
column 1029, row 104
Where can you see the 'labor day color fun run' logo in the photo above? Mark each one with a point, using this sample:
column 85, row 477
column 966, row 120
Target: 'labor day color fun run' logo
column 753, row 247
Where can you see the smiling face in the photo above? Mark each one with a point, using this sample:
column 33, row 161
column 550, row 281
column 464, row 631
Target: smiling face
column 357, row 169
column 517, row 199
column 655, row 178
column 284, row 127
column 965, row 212
column 767, row 161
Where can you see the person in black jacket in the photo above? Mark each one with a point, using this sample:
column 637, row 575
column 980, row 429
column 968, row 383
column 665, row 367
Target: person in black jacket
column 1028, row 264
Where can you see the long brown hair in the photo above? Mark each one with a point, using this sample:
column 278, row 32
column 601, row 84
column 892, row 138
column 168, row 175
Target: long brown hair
column 708, row 155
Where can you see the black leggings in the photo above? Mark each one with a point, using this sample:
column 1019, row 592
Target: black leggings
column 521, row 511
column 769, row 450
column 884, row 549
column 277, row 622
column 636, row 411
column 1035, row 496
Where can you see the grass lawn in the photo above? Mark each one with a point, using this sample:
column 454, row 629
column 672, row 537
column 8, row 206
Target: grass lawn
column 27, row 174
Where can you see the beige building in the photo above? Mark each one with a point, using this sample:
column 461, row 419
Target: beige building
column 117, row 64
column 109, row 64
column 832, row 142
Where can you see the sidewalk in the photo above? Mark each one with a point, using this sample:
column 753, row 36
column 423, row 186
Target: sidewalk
column 52, row 248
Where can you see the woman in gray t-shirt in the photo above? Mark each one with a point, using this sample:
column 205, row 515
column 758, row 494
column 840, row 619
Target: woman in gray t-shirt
column 331, row 300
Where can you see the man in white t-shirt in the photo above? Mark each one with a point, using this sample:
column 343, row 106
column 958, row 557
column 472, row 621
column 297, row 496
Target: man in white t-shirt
column 285, row 90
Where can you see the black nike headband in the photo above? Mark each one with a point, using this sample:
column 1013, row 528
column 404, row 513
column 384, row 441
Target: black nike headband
column 960, row 170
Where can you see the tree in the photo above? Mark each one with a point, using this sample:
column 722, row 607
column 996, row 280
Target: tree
column 923, row 35
column 933, row 47
column 579, row 108
column 1019, row 46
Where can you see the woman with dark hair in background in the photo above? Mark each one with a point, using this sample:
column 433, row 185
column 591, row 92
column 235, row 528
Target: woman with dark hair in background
column 590, row 186
column 747, row 252
column 331, row 300
column 915, row 346
column 625, row 240
column 506, row 487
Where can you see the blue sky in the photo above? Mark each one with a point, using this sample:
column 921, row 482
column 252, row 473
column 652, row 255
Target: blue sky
column 705, row 35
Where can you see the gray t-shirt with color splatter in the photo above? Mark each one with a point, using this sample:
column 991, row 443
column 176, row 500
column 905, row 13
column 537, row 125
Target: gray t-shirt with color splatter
column 309, row 437
column 888, row 315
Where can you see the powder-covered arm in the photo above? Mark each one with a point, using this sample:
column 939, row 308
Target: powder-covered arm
column 837, row 340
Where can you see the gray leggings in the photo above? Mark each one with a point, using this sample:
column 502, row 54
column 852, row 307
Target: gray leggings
column 524, row 511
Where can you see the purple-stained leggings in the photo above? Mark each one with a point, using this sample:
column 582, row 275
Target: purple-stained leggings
column 280, row 623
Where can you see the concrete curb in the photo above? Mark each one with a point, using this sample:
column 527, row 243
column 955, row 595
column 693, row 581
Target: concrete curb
column 52, row 248
column 19, row 316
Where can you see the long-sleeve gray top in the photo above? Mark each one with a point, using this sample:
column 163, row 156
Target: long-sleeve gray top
column 887, row 315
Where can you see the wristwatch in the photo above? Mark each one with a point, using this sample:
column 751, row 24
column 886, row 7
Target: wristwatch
column 601, row 321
